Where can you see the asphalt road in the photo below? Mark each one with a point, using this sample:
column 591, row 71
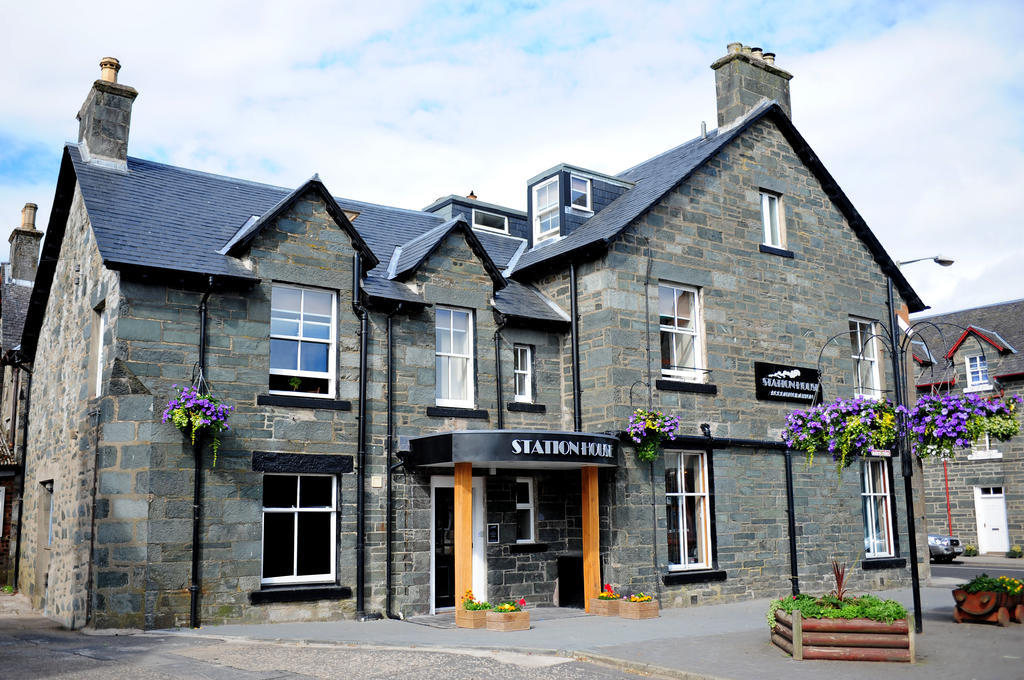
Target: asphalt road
column 963, row 569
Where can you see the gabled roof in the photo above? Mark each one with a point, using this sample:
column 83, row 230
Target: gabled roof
column 998, row 326
column 412, row 254
column 245, row 235
column 921, row 353
column 377, row 288
column 655, row 178
column 521, row 303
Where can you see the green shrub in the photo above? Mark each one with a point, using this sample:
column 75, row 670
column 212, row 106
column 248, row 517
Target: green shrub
column 831, row 607
column 970, row 550
column 1014, row 551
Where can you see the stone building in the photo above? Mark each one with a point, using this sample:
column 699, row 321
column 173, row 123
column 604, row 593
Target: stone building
column 978, row 496
column 16, row 279
column 432, row 400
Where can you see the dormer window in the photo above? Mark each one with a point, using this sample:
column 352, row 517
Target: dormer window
column 977, row 372
column 490, row 221
column 580, row 190
column 545, row 210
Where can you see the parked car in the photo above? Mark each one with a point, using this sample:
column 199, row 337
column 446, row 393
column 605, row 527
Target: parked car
column 944, row 548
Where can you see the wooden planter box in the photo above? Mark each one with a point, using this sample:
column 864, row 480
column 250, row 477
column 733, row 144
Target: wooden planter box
column 638, row 610
column 987, row 607
column 843, row 639
column 475, row 618
column 599, row 607
column 506, row 621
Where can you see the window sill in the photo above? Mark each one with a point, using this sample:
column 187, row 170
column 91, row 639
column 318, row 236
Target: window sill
column 272, row 594
column 678, row 578
column 526, row 548
column 455, row 412
column 681, row 386
column 772, row 250
column 883, row 563
column 978, row 388
column 526, row 407
column 987, row 454
column 302, row 402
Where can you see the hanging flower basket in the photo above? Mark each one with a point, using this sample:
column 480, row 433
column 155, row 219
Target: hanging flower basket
column 648, row 429
column 938, row 425
column 845, row 428
column 195, row 411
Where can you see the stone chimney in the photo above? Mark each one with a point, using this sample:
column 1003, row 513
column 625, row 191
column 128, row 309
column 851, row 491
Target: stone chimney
column 25, row 245
column 744, row 77
column 106, row 116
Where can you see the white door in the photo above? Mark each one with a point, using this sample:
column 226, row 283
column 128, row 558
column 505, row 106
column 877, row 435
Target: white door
column 479, row 541
column 990, row 507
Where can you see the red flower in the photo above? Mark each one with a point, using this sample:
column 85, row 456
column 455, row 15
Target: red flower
column 608, row 588
column 522, row 602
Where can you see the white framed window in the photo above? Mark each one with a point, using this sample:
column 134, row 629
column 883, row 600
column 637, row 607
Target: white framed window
column 522, row 372
column 864, row 352
column 300, row 518
column 490, row 221
column 687, row 510
column 977, row 372
column 983, row 450
column 453, row 353
column 772, row 220
column 99, row 327
column 524, row 510
column 682, row 356
column 579, row 193
column 545, row 210
column 302, row 341
column 875, row 501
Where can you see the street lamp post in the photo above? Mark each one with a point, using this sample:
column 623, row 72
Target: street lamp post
column 903, row 450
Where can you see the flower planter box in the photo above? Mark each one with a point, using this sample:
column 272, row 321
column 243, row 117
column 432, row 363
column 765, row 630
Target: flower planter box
column 987, row 607
column 843, row 639
column 471, row 618
column 599, row 607
column 638, row 610
column 507, row 621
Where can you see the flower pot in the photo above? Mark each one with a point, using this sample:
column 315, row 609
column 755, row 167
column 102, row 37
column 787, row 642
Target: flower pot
column 984, row 607
column 638, row 610
column 471, row 618
column 599, row 607
column 843, row 639
column 507, row 621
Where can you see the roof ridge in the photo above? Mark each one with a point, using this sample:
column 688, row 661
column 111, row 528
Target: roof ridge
column 971, row 309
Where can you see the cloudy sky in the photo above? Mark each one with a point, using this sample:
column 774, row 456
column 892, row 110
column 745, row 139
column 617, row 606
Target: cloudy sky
column 915, row 107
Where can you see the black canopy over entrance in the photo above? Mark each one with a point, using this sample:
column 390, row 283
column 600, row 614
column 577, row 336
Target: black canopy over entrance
column 514, row 449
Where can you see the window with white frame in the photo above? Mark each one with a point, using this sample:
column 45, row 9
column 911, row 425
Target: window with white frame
column 772, row 220
column 491, row 221
column 98, row 330
column 864, row 352
column 524, row 510
column 300, row 517
column 679, row 314
column 875, row 500
column 977, row 372
column 454, row 375
column 687, row 510
column 579, row 193
column 522, row 371
column 545, row 210
column 302, row 341
column 983, row 449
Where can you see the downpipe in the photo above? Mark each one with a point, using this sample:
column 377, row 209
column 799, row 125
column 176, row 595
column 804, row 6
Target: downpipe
column 197, row 454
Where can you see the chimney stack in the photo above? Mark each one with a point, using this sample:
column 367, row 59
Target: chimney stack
column 745, row 76
column 106, row 116
column 25, row 245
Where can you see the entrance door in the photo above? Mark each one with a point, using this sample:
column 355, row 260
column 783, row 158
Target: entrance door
column 442, row 539
column 990, row 508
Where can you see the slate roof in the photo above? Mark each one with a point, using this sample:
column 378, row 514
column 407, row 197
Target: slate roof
column 1005, row 320
column 654, row 178
column 14, row 299
column 525, row 303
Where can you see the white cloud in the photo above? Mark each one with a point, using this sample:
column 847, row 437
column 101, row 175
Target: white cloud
column 913, row 108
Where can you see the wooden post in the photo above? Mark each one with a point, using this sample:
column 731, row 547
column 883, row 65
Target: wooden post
column 463, row 530
column 591, row 536
column 798, row 634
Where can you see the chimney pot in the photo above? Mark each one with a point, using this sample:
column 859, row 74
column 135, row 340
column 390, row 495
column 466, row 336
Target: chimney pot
column 746, row 76
column 769, row 57
column 734, row 48
column 756, row 52
column 28, row 216
column 109, row 68
column 471, row 195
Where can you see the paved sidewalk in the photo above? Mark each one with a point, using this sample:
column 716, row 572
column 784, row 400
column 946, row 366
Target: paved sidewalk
column 718, row 641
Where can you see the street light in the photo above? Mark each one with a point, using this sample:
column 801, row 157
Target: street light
column 902, row 450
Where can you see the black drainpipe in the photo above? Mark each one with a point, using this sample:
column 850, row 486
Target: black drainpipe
column 389, row 445
column 23, row 466
column 497, row 374
column 197, row 453
column 577, row 407
column 791, row 516
column 360, row 311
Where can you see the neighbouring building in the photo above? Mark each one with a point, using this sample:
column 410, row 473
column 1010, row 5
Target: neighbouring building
column 977, row 496
column 432, row 400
